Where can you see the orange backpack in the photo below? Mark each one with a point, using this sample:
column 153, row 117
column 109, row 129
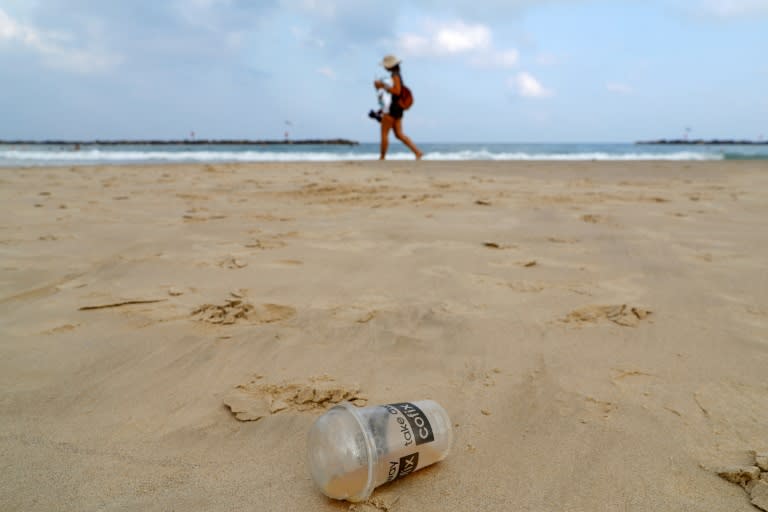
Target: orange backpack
column 406, row 97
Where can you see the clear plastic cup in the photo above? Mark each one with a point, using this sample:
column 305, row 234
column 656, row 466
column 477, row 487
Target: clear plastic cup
column 353, row 450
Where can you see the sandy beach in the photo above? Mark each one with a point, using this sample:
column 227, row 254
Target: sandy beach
column 597, row 331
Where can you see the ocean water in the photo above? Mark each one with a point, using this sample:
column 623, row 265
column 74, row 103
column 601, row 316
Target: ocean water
column 40, row 155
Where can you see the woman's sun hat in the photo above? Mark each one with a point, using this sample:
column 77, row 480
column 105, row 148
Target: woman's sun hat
column 390, row 61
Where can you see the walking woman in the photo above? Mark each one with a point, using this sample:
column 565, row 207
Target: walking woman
column 393, row 120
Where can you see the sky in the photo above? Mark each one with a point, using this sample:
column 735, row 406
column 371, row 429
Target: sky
column 480, row 70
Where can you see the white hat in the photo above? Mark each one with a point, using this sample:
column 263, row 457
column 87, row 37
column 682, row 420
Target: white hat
column 390, row 61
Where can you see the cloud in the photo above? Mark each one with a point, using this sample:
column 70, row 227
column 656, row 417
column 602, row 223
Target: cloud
column 443, row 39
column 459, row 37
column 729, row 9
column 147, row 33
column 52, row 47
column 528, row 86
column 455, row 38
column 618, row 88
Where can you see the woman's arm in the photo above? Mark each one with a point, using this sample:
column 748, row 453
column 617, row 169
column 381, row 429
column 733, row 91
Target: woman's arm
column 394, row 90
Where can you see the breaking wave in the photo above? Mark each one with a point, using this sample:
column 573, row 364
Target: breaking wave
column 64, row 156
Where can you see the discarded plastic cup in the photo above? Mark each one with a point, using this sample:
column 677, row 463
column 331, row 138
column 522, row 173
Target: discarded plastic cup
column 353, row 450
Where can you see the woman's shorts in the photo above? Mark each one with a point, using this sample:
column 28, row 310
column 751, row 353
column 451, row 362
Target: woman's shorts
column 395, row 110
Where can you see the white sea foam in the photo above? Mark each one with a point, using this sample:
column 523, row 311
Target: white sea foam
column 97, row 155
column 486, row 155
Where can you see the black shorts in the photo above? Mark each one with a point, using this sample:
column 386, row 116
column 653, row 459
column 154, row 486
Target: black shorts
column 395, row 110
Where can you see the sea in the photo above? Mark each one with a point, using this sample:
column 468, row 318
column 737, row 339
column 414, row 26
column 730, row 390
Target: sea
column 31, row 155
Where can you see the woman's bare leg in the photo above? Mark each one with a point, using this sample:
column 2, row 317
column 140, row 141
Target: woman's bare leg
column 387, row 122
column 398, row 126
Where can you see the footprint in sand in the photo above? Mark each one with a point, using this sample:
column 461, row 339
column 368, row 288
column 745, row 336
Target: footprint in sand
column 269, row 217
column 264, row 243
column 594, row 219
column 61, row 329
column 558, row 240
column 233, row 263
column 354, row 314
column 498, row 245
column 645, row 386
column 238, row 309
column 197, row 215
column 257, row 399
column 480, row 376
column 756, row 310
column 476, row 379
column 525, row 286
column 621, row 314
column 602, row 408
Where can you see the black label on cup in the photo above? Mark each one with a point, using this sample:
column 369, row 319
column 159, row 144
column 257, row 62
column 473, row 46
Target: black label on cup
column 408, row 465
column 404, row 467
column 420, row 427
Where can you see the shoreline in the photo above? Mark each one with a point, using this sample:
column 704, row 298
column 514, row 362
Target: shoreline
column 181, row 142
column 201, row 153
column 703, row 142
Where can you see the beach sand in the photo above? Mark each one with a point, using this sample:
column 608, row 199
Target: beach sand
column 598, row 332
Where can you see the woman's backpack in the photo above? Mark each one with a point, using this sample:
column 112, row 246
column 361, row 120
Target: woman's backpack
column 406, row 97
